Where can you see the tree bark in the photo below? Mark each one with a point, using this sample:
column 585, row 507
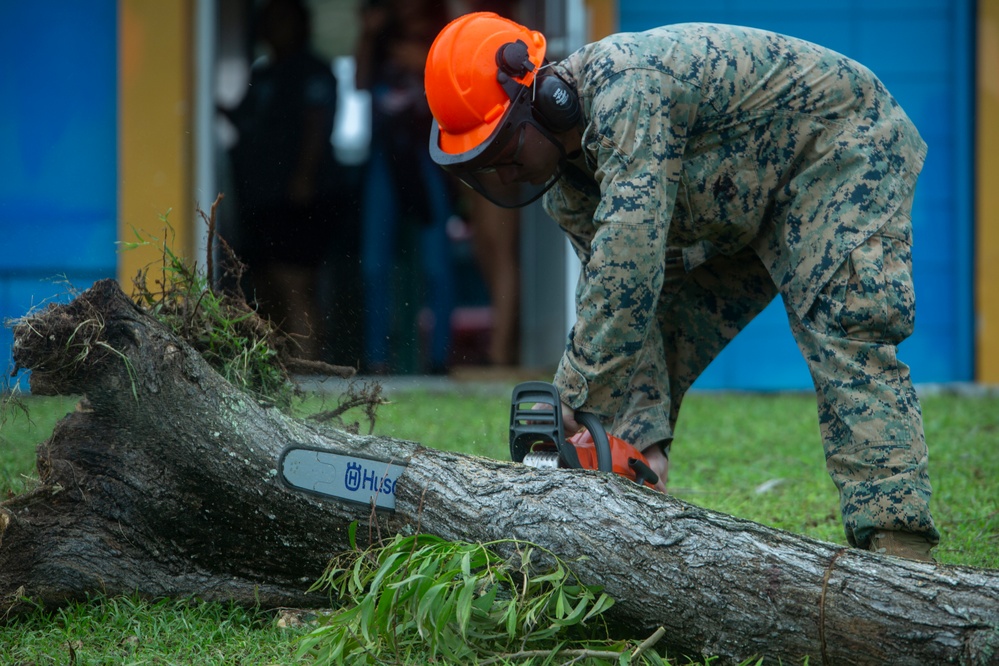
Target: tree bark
column 165, row 484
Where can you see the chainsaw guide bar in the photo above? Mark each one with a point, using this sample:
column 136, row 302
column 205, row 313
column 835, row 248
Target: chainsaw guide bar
column 346, row 477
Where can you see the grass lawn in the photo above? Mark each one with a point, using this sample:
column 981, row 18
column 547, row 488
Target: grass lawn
column 753, row 456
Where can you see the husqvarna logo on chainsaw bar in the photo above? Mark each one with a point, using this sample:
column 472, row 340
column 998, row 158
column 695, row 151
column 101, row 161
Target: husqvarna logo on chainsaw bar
column 353, row 478
column 359, row 477
column 346, row 477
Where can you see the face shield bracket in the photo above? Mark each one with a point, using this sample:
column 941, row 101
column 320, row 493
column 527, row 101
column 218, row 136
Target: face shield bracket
column 513, row 60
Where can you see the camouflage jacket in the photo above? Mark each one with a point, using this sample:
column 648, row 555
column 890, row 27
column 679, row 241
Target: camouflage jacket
column 714, row 138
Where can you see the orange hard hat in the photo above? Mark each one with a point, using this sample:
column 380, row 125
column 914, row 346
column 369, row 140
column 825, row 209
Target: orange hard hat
column 465, row 95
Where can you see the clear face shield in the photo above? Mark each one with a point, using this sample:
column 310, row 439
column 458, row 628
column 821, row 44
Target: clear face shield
column 518, row 163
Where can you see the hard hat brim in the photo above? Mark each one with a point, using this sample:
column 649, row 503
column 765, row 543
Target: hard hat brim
column 480, row 155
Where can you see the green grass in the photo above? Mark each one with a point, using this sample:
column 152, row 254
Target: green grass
column 754, row 456
column 20, row 433
column 119, row 631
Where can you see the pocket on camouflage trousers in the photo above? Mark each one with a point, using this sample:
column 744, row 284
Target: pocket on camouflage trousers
column 871, row 296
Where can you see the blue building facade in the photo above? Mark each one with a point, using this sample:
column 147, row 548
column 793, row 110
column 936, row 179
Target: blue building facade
column 58, row 153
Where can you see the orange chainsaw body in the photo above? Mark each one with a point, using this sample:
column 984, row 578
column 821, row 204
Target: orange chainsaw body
column 622, row 453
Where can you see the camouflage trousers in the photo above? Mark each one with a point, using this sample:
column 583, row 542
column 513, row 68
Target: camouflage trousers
column 869, row 415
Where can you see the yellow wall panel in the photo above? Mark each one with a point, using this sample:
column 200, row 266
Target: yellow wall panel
column 987, row 214
column 155, row 118
column 603, row 18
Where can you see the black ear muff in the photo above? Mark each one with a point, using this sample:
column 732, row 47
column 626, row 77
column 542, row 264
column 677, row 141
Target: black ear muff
column 556, row 105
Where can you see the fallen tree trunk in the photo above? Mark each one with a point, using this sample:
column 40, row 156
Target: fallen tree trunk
column 165, row 485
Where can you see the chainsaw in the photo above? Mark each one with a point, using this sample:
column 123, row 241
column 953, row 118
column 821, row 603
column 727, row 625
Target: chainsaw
column 537, row 438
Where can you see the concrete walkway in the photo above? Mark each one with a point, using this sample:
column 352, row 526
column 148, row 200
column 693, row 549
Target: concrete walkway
column 477, row 381
column 486, row 381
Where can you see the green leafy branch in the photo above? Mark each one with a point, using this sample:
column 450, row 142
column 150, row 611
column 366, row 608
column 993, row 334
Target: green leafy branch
column 421, row 598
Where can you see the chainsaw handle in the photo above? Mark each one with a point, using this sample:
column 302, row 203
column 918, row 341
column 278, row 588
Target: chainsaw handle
column 528, row 425
column 600, row 441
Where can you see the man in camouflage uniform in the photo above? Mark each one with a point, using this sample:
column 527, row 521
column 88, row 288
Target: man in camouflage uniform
column 708, row 169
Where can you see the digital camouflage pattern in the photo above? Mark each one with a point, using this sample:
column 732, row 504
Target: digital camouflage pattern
column 721, row 166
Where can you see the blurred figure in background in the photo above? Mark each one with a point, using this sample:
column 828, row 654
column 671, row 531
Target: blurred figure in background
column 496, row 241
column 402, row 182
column 285, row 173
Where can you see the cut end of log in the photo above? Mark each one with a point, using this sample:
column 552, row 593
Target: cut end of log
column 62, row 342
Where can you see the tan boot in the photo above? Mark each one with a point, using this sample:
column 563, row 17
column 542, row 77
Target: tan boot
column 901, row 544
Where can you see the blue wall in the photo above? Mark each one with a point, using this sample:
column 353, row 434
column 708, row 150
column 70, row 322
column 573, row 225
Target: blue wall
column 58, row 152
column 923, row 51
